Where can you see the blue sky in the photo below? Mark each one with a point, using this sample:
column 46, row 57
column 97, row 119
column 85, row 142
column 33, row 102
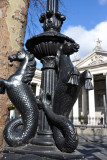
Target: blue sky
column 86, row 21
column 86, row 13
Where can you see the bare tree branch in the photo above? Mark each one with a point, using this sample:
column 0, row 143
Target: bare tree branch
column 36, row 7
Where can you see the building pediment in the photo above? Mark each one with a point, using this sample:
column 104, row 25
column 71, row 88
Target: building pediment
column 93, row 59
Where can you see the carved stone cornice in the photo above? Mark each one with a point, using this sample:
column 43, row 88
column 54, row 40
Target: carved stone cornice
column 97, row 59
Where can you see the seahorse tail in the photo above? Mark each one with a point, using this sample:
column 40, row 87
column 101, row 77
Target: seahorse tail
column 18, row 133
column 12, row 131
column 64, row 133
column 23, row 99
column 66, row 138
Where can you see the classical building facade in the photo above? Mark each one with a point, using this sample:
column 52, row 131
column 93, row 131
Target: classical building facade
column 90, row 105
column 36, row 82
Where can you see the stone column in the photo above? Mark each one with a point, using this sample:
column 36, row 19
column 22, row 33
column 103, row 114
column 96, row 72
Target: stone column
column 106, row 103
column 105, row 109
column 91, row 96
column 84, row 104
column 105, row 100
column 75, row 113
column 37, row 89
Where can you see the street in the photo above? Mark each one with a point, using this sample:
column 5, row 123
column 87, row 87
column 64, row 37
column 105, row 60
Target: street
column 93, row 150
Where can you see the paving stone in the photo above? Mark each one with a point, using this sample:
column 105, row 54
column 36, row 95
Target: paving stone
column 100, row 155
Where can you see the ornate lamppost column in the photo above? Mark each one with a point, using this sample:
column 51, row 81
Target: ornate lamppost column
column 45, row 47
column 52, row 5
column 48, row 82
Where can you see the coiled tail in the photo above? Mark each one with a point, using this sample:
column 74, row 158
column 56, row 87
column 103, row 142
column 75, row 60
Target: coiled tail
column 64, row 134
column 19, row 131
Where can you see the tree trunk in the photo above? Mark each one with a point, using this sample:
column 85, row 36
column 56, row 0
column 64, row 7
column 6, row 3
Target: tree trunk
column 13, row 18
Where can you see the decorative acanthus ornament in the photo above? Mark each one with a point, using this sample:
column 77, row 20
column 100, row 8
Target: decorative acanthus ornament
column 21, row 95
column 48, row 62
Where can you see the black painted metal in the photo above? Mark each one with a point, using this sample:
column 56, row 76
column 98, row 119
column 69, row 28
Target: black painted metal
column 53, row 19
column 67, row 89
column 48, row 43
column 60, row 85
column 21, row 95
column 45, row 46
column 48, row 82
column 52, row 5
column 69, row 84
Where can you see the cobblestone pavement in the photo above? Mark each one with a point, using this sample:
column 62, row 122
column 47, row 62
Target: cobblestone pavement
column 93, row 150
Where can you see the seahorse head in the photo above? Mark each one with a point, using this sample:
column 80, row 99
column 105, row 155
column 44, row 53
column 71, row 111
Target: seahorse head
column 28, row 61
column 19, row 56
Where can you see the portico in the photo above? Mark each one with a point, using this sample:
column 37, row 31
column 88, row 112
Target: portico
column 36, row 82
column 92, row 104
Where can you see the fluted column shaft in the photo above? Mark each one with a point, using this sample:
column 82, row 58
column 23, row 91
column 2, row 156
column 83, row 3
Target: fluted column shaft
column 91, row 97
column 48, row 82
column 84, row 104
column 52, row 5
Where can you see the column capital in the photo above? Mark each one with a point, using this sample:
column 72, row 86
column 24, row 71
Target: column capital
column 49, row 62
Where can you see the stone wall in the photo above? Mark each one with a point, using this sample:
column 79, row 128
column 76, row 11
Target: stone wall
column 13, row 15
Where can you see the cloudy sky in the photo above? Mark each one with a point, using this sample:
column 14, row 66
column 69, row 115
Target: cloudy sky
column 86, row 21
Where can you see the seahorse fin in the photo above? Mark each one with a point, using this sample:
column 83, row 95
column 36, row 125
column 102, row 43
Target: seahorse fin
column 74, row 78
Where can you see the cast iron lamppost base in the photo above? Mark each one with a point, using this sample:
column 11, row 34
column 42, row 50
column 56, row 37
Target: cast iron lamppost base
column 45, row 47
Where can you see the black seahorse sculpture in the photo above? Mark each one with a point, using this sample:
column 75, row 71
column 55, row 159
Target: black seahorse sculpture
column 66, row 93
column 69, row 83
column 21, row 95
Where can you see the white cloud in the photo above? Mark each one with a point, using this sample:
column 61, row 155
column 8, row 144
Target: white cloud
column 87, row 38
column 102, row 2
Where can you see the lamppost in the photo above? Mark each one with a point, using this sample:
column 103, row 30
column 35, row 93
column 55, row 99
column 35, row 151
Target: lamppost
column 45, row 47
